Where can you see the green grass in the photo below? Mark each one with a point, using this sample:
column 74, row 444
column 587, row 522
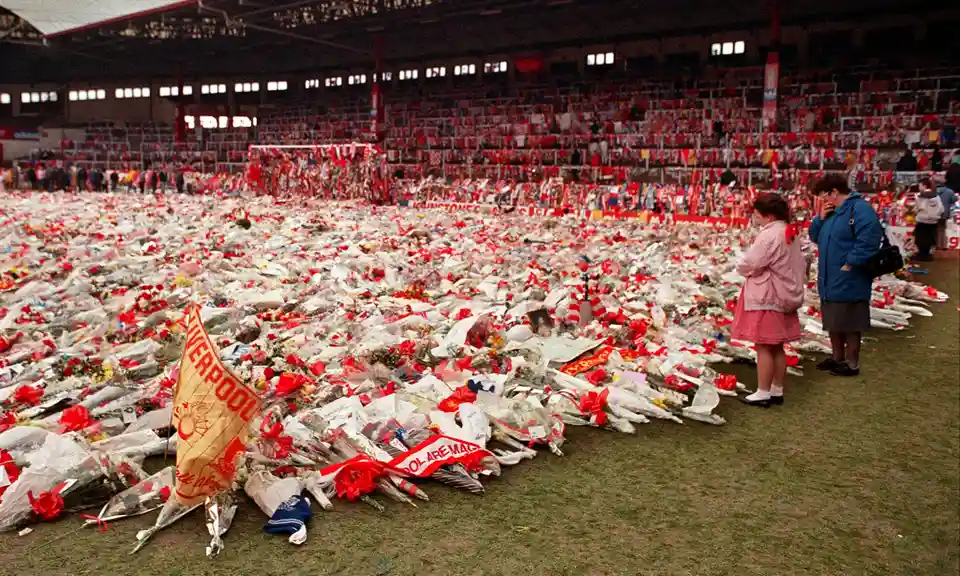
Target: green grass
column 851, row 477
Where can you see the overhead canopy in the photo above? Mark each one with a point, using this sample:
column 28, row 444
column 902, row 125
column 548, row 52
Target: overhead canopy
column 53, row 17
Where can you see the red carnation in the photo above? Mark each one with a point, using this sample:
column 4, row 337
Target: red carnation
column 28, row 395
column 75, row 418
column 7, row 420
column 596, row 377
column 407, row 348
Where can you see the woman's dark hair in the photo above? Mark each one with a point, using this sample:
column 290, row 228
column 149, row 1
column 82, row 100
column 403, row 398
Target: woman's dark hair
column 770, row 204
column 828, row 184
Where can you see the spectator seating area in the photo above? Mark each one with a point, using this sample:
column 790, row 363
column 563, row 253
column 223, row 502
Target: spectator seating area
column 606, row 131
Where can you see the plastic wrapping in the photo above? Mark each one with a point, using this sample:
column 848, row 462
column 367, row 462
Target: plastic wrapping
column 219, row 510
column 142, row 498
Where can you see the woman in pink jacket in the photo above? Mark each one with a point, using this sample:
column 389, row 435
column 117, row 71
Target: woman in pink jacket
column 776, row 274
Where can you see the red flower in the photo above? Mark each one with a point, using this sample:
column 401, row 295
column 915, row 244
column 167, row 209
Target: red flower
column 164, row 493
column 790, row 232
column 75, row 418
column 677, row 384
column 290, row 382
column 389, row 388
column 5, row 344
column 47, row 506
column 725, row 382
column 639, row 328
column 461, row 395
column 7, row 420
column 592, row 405
column 463, row 314
column 596, row 377
column 350, row 365
column 357, row 477
column 464, row 364
column 268, row 373
column 294, row 360
column 28, row 395
column 318, row 368
column 283, row 448
column 10, row 467
column 407, row 348
column 128, row 317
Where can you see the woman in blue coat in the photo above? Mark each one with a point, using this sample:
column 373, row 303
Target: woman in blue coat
column 848, row 233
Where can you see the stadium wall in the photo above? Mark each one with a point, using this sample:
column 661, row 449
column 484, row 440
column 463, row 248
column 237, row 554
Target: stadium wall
column 48, row 139
column 64, row 111
column 152, row 109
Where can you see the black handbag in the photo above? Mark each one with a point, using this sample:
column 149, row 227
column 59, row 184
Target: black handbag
column 886, row 260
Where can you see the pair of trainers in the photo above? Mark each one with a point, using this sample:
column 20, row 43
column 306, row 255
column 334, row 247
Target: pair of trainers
column 838, row 368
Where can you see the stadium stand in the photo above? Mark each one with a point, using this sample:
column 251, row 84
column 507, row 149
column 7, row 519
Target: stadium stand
column 612, row 129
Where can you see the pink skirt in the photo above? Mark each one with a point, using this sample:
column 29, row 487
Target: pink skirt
column 765, row 326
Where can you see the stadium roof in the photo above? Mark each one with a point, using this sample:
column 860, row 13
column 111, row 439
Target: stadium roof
column 62, row 41
column 53, row 17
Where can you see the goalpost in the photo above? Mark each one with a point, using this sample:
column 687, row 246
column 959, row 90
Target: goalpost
column 350, row 171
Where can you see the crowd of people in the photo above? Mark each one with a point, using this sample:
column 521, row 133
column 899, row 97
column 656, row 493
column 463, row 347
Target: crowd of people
column 54, row 177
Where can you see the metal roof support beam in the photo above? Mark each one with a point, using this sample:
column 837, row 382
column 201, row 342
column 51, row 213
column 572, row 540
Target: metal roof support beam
column 228, row 19
column 279, row 8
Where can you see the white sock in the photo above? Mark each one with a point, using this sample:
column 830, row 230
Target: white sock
column 776, row 391
column 759, row 395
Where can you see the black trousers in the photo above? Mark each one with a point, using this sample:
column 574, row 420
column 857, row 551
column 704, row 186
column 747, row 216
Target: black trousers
column 925, row 235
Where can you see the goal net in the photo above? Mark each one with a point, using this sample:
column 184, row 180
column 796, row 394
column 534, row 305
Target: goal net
column 353, row 171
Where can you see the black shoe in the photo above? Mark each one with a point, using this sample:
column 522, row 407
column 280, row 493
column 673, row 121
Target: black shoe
column 761, row 403
column 776, row 400
column 829, row 364
column 845, row 371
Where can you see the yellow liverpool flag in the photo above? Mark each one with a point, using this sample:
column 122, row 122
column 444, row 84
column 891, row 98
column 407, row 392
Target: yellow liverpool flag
column 211, row 411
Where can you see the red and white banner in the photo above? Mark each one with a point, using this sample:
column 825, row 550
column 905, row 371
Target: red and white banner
column 211, row 411
column 359, row 474
column 771, row 81
column 435, row 452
